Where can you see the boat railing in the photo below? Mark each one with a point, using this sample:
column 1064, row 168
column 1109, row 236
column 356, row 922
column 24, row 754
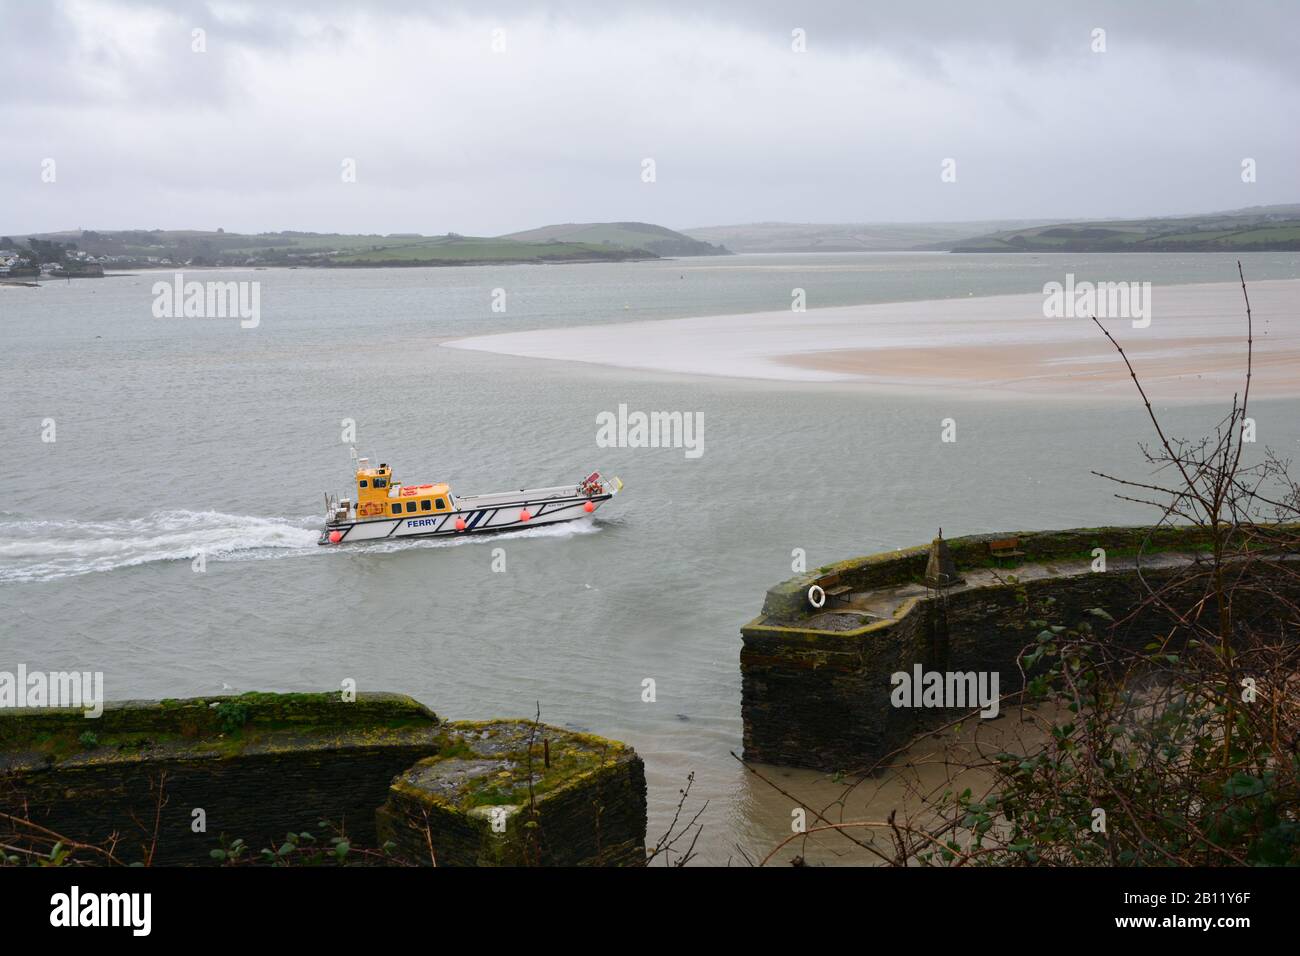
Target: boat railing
column 560, row 491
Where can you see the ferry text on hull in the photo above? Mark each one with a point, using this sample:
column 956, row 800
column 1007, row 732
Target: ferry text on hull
column 385, row 508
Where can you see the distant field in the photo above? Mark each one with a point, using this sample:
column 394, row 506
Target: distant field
column 624, row 235
column 620, row 233
column 1257, row 228
column 181, row 241
column 849, row 237
column 1273, row 228
column 321, row 249
column 473, row 249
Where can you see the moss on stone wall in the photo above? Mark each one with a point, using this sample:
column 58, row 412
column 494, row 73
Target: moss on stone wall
column 127, row 731
column 788, row 601
column 473, row 803
column 260, row 765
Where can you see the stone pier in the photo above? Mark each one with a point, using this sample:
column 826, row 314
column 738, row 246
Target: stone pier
column 257, row 766
column 816, row 682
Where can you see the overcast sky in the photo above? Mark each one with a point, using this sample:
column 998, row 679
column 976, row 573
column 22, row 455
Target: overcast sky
column 449, row 134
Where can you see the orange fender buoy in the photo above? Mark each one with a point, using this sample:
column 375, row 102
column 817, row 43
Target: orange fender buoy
column 336, row 537
column 460, row 524
column 589, row 507
column 524, row 515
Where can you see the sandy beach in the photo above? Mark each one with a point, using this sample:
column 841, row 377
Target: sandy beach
column 1194, row 347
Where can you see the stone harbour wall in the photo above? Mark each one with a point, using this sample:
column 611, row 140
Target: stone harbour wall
column 261, row 765
column 587, row 805
column 816, row 682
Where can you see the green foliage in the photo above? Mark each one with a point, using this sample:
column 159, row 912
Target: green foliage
column 43, row 250
column 58, row 855
column 304, row 849
column 1150, row 755
column 232, row 714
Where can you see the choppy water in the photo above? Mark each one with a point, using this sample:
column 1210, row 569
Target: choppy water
column 184, row 437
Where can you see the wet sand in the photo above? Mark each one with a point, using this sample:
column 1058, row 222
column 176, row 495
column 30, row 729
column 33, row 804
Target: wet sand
column 1186, row 368
column 948, row 760
column 1194, row 347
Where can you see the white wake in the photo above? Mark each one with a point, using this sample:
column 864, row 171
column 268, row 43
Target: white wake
column 43, row 550
column 47, row 550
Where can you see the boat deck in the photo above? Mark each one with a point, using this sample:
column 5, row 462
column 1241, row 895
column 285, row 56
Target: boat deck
column 531, row 494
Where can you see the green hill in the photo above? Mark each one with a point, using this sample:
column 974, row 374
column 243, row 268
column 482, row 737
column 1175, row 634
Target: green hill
column 470, row 250
column 139, row 248
column 622, row 235
column 1257, row 229
column 850, row 236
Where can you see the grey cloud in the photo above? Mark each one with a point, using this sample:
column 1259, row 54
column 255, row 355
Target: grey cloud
column 250, row 136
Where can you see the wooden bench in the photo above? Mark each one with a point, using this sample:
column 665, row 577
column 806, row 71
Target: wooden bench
column 839, row 594
column 836, row 593
column 1005, row 548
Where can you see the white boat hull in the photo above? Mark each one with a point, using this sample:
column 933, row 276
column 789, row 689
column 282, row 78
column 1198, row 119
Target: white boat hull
column 489, row 513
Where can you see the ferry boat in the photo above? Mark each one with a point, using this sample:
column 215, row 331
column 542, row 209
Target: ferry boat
column 386, row 508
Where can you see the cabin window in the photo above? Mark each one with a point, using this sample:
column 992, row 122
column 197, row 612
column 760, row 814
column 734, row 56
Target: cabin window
column 381, row 482
column 426, row 505
column 362, row 482
column 410, row 506
column 397, row 509
column 441, row 504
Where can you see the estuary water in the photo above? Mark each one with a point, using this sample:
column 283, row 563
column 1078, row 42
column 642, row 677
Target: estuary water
column 181, row 439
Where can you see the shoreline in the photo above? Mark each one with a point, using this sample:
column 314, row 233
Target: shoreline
column 1194, row 348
